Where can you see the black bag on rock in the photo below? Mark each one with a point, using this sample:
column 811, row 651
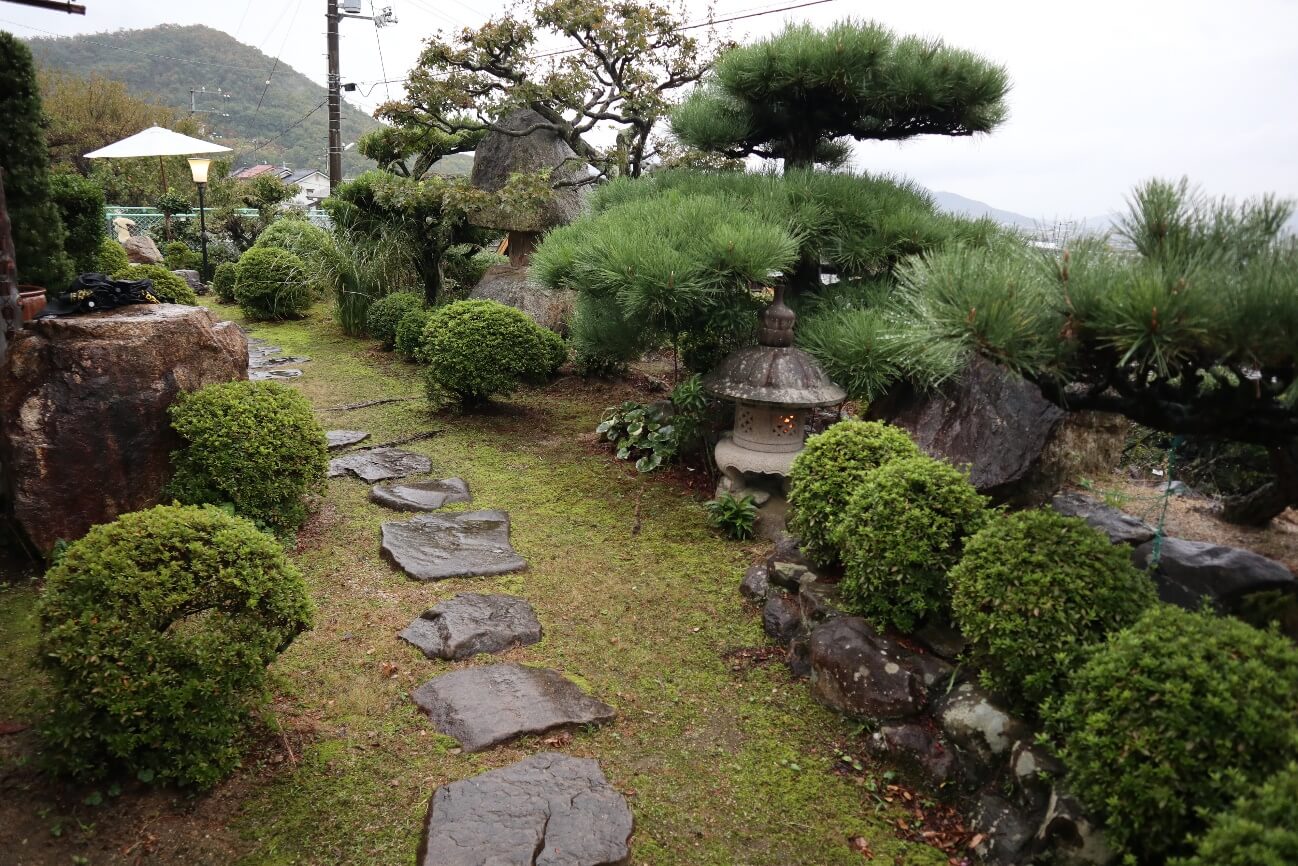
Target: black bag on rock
column 90, row 293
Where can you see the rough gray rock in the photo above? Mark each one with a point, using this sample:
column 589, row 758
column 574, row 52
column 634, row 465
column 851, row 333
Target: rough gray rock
column 192, row 280
column 510, row 285
column 500, row 155
column 379, row 464
column 280, row 373
column 469, row 623
column 1120, row 527
column 141, row 250
column 941, row 640
column 755, row 584
column 1070, row 835
column 859, row 672
column 1006, row 831
column 781, row 618
column 421, row 495
column 344, row 438
column 482, row 706
column 84, row 431
column 1190, row 571
column 1033, row 769
column 546, row 810
column 817, row 600
column 799, row 656
column 980, row 728
column 258, row 360
column 915, row 748
column 440, row 546
column 787, row 575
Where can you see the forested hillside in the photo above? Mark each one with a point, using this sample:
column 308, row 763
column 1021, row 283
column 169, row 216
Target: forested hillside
column 144, row 60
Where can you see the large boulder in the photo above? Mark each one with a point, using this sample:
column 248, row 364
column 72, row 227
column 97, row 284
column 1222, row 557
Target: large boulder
column 1190, row 571
column 1019, row 447
column 141, row 250
column 84, row 433
column 193, row 280
column 510, row 285
column 501, row 155
column 1120, row 527
column 858, row 671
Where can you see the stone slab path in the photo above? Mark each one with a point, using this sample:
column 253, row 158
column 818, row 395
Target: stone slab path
column 469, row 623
column 546, row 810
column 440, row 546
column 483, row 706
column 266, row 362
column 344, row 438
column 379, row 464
column 421, row 495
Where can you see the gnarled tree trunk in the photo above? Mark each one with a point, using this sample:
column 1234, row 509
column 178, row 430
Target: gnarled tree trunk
column 1259, row 506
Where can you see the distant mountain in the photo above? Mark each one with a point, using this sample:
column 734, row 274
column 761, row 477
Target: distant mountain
column 145, row 61
column 958, row 204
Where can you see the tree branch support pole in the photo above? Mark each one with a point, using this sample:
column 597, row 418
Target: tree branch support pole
column 335, row 99
column 11, row 313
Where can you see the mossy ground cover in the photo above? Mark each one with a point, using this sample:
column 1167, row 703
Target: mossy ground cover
column 722, row 761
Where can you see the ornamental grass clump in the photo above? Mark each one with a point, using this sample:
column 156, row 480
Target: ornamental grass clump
column 167, row 287
column 904, row 528
column 386, row 313
column 271, row 284
column 1034, row 592
column 1260, row 830
column 1171, row 721
column 156, row 630
column 253, row 445
column 223, row 282
column 826, row 473
column 478, row 349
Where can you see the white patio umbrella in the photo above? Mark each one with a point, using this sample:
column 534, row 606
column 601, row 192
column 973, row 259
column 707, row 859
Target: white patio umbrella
column 156, row 141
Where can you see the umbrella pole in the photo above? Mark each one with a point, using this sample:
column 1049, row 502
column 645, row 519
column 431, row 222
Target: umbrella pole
column 166, row 217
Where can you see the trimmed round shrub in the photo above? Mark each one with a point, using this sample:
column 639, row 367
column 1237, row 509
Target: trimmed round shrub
column 111, row 257
column 1172, row 720
column 826, row 473
column 223, row 282
column 167, row 287
column 476, row 349
column 904, row 528
column 556, row 350
column 1034, row 591
column 310, row 243
column 410, row 334
column 1261, row 829
column 385, row 314
column 254, row 445
column 271, row 284
column 156, row 630
column 179, row 257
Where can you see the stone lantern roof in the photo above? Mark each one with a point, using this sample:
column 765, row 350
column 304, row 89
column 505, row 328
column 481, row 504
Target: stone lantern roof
column 774, row 372
column 500, row 155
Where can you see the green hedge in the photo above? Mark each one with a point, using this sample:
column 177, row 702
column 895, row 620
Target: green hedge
column 1034, row 591
column 111, row 257
column 325, row 269
column 1260, row 830
column 156, row 630
column 1172, row 720
column 385, row 314
column 81, row 206
column 904, row 528
column 410, row 334
column 271, row 284
column 179, row 257
column 254, row 445
column 828, row 470
column 223, row 279
column 167, row 287
column 477, row 349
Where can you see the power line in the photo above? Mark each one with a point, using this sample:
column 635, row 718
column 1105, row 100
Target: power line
column 286, row 130
column 131, row 50
column 379, row 42
column 275, row 65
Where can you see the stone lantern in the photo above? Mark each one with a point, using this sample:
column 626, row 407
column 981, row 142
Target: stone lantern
column 775, row 386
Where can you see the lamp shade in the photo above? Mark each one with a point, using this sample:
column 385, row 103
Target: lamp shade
column 198, row 167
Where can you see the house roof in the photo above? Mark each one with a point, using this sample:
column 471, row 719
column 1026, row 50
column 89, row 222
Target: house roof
column 299, row 176
column 253, row 171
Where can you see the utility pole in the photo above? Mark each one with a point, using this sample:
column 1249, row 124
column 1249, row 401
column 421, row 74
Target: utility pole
column 335, row 100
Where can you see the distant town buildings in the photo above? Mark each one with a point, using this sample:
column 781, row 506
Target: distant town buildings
column 313, row 185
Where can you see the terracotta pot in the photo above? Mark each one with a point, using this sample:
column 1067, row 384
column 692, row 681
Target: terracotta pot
column 32, row 299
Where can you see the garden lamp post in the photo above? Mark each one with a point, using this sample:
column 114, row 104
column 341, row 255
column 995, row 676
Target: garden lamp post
column 198, row 167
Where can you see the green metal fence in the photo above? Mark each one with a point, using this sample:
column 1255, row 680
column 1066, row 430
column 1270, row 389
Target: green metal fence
column 148, row 219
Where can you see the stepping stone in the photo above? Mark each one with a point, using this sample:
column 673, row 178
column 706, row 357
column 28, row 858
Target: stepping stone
column 546, row 810
column 379, row 464
column 421, row 495
column 468, row 624
column 343, row 438
column 438, row 546
column 282, row 373
column 258, row 359
column 483, row 706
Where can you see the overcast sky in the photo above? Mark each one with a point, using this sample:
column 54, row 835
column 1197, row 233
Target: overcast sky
column 1105, row 93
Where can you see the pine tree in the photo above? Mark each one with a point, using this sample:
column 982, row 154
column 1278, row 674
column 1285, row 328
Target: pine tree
column 37, row 228
column 803, row 95
column 1194, row 331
